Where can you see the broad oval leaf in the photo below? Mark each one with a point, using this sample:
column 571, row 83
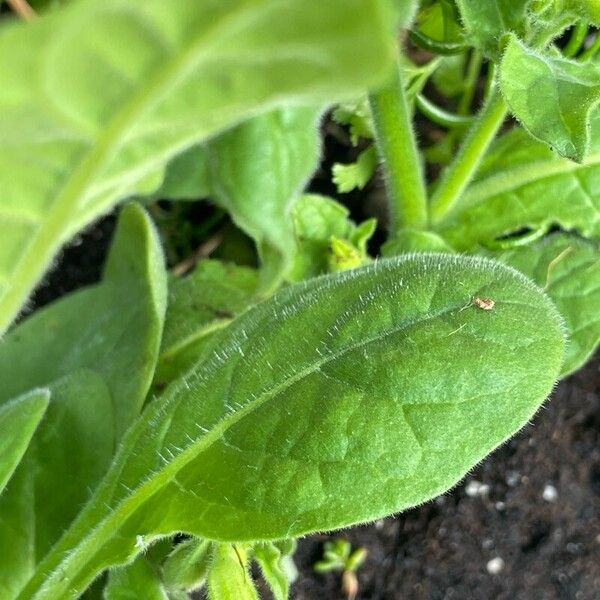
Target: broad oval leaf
column 330, row 404
column 98, row 96
column 568, row 269
column 137, row 581
column 553, row 98
column 523, row 183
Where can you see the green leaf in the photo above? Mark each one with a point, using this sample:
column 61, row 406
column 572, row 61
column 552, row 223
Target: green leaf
column 187, row 566
column 18, row 422
column 199, row 305
column 587, row 9
column 523, row 184
column 70, row 452
column 554, row 98
column 269, row 557
column 411, row 240
column 358, row 118
column 486, row 22
column 113, row 328
column 186, row 177
column 568, row 269
column 125, row 87
column 327, row 405
column 137, row 581
column 355, row 175
column 229, row 578
column 319, row 220
column 266, row 163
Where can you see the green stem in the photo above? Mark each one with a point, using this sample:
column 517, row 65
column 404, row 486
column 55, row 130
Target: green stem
column 441, row 116
column 472, row 76
column 397, row 146
column 576, row 40
column 458, row 176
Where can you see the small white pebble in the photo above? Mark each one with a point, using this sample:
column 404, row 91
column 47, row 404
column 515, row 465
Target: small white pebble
column 476, row 488
column 500, row 506
column 379, row 524
column 513, row 478
column 550, row 493
column 495, row 566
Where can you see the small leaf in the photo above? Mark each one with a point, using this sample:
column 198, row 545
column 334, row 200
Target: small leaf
column 358, row 118
column 355, row 175
column 523, row 184
column 229, row 578
column 568, row 269
column 137, row 581
column 411, row 240
column 187, row 566
column 554, row 98
column 199, row 305
column 269, row 557
column 487, row 21
column 334, row 388
column 127, row 86
column 113, row 328
column 18, row 422
column 317, row 221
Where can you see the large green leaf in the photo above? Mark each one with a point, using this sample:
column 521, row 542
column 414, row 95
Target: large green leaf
column 330, row 404
column 522, row 183
column 199, row 305
column 98, row 96
column 113, row 328
column 568, row 269
column 18, row 422
column 554, row 98
column 587, row 9
column 70, row 452
column 486, row 21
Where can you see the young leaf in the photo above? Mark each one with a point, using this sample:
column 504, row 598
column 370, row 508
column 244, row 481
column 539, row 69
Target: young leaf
column 128, row 86
column 587, row 9
column 70, row 452
column 486, row 22
column 318, row 221
column 137, row 581
column 113, row 328
column 269, row 557
column 199, row 305
column 327, row 405
column 266, row 163
column 568, row 269
column 187, row 566
column 18, row 422
column 554, row 98
column 229, row 578
column 522, row 183
column 355, row 175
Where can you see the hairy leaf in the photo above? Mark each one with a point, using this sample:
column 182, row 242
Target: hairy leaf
column 554, row 98
column 348, row 177
column 98, row 96
column 587, row 9
column 522, row 183
column 229, row 577
column 137, row 581
column 199, row 305
column 486, row 22
column 269, row 557
column 70, row 452
column 327, row 405
column 187, row 566
column 18, row 422
column 113, row 328
column 568, row 269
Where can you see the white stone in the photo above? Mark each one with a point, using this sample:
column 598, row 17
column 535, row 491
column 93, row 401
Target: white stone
column 550, row 493
column 495, row 566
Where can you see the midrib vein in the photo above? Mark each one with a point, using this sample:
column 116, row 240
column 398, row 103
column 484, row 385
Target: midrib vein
column 61, row 216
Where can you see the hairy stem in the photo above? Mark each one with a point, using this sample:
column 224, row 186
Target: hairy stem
column 397, row 146
column 460, row 173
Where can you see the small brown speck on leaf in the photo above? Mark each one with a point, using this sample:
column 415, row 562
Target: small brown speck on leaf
column 484, row 303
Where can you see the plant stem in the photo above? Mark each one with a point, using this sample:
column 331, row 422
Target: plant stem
column 472, row 76
column 460, row 173
column 441, row 116
column 397, row 146
column 577, row 38
column 22, row 8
